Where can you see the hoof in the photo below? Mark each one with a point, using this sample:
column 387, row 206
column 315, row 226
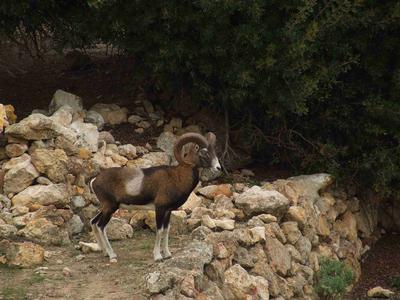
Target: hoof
column 113, row 260
column 158, row 259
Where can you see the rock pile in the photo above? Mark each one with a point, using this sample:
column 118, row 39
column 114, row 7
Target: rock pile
column 49, row 157
column 261, row 241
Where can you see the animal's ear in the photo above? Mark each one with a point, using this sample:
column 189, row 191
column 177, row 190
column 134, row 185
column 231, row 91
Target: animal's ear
column 211, row 138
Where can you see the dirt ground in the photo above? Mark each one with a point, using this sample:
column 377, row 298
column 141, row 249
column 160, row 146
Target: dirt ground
column 93, row 277
column 380, row 267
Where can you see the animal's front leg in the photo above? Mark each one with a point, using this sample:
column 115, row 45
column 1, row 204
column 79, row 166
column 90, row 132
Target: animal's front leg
column 160, row 214
column 166, row 226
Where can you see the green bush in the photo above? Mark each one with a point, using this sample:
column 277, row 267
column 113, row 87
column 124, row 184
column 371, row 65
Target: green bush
column 395, row 282
column 312, row 84
column 333, row 279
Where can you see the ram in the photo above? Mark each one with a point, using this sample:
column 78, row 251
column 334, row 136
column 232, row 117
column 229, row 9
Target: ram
column 162, row 188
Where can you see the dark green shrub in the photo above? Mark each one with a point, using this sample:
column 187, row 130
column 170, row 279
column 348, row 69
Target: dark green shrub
column 395, row 282
column 314, row 84
column 333, row 279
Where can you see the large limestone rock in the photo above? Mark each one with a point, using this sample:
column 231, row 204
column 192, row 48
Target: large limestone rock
column 43, row 231
column 15, row 150
column 88, row 135
column 257, row 201
column 347, row 227
column 95, row 118
column 75, row 225
column 212, row 191
column 63, row 115
column 128, row 150
column 111, row 113
column 35, row 127
column 241, row 285
column 56, row 194
column 119, row 229
column 7, row 230
column 166, row 142
column 23, row 255
column 53, row 163
column 61, row 98
column 151, row 159
column 187, row 262
column 278, row 256
column 20, row 174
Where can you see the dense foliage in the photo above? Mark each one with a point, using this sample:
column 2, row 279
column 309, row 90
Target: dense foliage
column 333, row 279
column 312, row 83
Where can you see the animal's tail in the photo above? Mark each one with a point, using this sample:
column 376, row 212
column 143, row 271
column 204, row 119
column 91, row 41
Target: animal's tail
column 91, row 184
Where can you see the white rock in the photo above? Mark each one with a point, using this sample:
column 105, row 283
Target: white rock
column 256, row 201
column 75, row 225
column 20, row 176
column 61, row 98
column 95, row 118
column 379, row 292
column 56, row 194
column 128, row 150
column 88, row 135
column 208, row 222
column 63, row 115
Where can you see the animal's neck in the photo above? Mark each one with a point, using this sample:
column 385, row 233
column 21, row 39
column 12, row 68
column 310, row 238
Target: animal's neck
column 188, row 173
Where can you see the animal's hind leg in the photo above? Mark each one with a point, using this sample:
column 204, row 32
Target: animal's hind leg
column 166, row 226
column 103, row 221
column 160, row 214
column 95, row 229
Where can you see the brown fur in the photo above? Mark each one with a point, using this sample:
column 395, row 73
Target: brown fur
column 167, row 187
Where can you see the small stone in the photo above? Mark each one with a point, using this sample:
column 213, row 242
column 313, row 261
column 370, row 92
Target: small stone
column 148, row 106
column 61, row 98
column 134, row 119
column 207, row 221
column 59, row 262
column 379, row 292
column 106, row 136
column 128, row 150
column 80, row 257
column 139, row 130
column 67, row 272
column 247, row 173
column 95, row 118
column 14, row 150
column 211, row 191
column 225, row 224
column 89, row 247
column 111, row 113
column 78, row 201
column 176, row 123
column 143, row 124
column 43, row 180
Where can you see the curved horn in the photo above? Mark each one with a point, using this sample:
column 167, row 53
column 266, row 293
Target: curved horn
column 188, row 138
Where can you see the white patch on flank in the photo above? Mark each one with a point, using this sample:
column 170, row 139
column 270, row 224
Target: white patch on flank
column 134, row 185
column 149, row 206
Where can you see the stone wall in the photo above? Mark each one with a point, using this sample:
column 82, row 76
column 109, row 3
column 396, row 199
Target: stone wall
column 249, row 242
column 261, row 242
column 46, row 162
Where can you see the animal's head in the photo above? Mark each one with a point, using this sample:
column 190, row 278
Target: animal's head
column 201, row 153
